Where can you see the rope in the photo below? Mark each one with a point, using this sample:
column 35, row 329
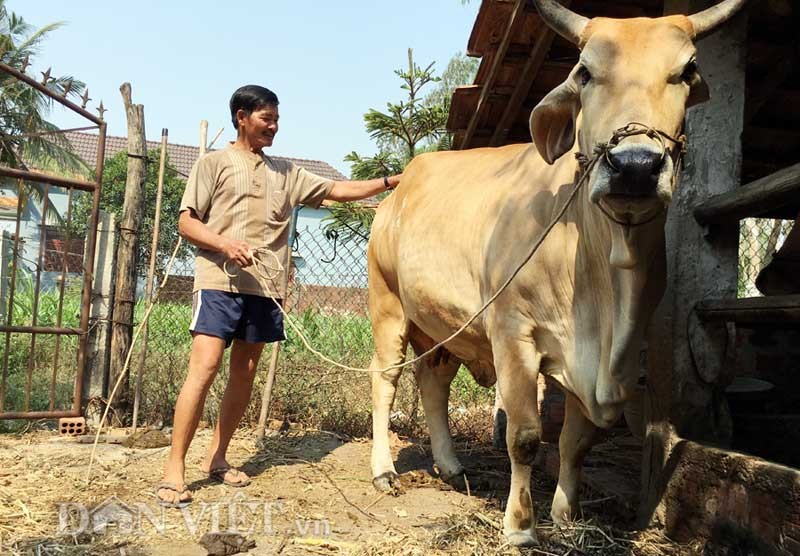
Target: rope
column 586, row 163
column 257, row 262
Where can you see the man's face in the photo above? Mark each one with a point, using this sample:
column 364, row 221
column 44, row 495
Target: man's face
column 260, row 126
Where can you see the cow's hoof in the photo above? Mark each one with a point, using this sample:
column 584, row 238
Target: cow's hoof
column 561, row 517
column 562, row 511
column 388, row 483
column 521, row 538
column 457, row 480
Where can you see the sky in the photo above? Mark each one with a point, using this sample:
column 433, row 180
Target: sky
column 328, row 62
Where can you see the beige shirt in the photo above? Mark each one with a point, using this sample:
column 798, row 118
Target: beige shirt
column 249, row 197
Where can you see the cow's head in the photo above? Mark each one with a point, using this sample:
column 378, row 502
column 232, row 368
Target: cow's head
column 630, row 70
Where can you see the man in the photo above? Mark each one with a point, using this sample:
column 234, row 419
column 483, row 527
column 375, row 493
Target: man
column 238, row 200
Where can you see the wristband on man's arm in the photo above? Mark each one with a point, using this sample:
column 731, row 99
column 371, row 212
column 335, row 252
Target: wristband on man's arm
column 386, row 183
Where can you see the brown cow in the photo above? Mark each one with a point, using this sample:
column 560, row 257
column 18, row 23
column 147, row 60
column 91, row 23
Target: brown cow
column 461, row 222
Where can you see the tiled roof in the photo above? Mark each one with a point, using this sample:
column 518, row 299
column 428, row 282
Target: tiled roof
column 181, row 157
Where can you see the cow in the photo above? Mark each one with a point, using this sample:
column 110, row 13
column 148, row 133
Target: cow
column 460, row 223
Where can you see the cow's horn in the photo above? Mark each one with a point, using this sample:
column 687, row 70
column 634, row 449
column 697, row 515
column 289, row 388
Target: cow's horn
column 565, row 22
column 707, row 20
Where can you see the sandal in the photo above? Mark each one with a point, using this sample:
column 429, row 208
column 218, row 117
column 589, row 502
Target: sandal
column 218, row 475
column 168, row 485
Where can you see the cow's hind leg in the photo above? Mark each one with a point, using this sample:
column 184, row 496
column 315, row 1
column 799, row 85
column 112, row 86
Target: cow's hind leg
column 517, row 363
column 434, row 375
column 577, row 437
column 390, row 331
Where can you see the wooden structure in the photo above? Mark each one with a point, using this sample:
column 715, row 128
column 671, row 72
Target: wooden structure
column 749, row 133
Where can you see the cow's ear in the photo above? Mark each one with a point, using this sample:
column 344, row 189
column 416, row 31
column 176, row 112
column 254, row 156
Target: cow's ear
column 698, row 93
column 553, row 120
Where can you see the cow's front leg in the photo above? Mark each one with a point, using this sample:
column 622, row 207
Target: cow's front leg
column 517, row 364
column 434, row 385
column 577, row 437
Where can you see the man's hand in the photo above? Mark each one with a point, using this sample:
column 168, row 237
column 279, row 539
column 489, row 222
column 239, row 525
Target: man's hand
column 238, row 252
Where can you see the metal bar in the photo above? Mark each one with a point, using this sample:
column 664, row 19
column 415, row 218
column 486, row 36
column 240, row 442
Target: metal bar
column 51, row 132
column 58, row 98
column 62, row 285
column 12, row 288
column 35, row 315
column 88, row 268
column 38, row 177
column 499, row 55
column 148, row 289
column 42, row 330
column 38, row 414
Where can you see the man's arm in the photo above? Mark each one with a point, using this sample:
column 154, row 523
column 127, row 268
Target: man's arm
column 355, row 190
column 193, row 230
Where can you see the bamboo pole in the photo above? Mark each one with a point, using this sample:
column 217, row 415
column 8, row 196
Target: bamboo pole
column 266, row 396
column 203, row 137
column 150, row 274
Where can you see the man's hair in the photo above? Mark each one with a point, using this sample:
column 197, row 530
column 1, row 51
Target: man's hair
column 251, row 98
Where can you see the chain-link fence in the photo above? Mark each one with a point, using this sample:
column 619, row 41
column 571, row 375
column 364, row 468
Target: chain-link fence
column 759, row 238
column 327, row 300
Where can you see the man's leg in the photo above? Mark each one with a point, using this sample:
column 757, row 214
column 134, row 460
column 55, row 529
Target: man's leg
column 203, row 365
column 244, row 362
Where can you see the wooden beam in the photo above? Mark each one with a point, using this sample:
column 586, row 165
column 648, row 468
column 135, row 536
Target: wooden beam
column 516, row 15
column 778, row 309
column 768, row 193
column 532, row 66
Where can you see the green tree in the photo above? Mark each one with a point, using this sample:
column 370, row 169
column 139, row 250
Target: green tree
column 26, row 136
column 115, row 175
column 415, row 125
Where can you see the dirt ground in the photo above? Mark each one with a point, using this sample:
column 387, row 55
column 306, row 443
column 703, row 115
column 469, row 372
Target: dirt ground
column 311, row 494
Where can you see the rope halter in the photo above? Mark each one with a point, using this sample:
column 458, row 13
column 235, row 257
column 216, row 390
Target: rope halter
column 602, row 150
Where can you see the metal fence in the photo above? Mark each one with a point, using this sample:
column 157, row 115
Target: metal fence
column 759, row 238
column 327, row 300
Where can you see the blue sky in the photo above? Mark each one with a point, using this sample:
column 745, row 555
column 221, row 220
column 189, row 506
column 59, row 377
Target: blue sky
column 329, row 62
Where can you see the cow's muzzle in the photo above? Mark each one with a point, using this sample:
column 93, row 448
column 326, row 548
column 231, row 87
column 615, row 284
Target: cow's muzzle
column 635, row 170
column 634, row 177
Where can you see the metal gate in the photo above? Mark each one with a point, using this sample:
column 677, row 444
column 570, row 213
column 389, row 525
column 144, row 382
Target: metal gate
column 24, row 378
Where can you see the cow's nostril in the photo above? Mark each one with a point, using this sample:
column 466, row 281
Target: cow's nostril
column 636, row 161
column 635, row 170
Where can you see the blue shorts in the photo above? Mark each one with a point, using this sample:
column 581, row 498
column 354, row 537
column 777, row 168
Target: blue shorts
column 226, row 315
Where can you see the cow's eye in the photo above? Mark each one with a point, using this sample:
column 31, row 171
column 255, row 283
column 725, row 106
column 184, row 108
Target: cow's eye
column 584, row 75
column 690, row 71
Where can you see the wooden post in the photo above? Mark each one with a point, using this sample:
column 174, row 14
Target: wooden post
column 148, row 288
column 125, row 291
column 95, row 379
column 682, row 402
